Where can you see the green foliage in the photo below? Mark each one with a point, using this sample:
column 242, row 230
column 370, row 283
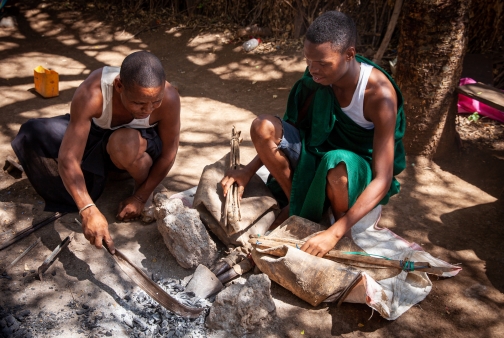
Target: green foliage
column 474, row 117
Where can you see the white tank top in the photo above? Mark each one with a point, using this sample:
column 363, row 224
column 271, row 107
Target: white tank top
column 355, row 110
column 107, row 88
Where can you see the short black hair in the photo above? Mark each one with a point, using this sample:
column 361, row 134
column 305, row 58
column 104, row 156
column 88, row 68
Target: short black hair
column 334, row 27
column 143, row 69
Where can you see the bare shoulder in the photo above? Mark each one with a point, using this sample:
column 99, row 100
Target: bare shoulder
column 171, row 95
column 170, row 107
column 380, row 87
column 92, row 83
column 380, row 97
column 87, row 100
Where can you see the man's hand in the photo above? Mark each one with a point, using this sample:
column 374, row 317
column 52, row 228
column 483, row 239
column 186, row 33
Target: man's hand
column 130, row 209
column 240, row 176
column 95, row 229
column 320, row 244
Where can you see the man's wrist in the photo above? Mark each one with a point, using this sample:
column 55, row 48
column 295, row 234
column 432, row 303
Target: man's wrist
column 249, row 171
column 87, row 206
column 84, row 212
column 337, row 230
column 139, row 198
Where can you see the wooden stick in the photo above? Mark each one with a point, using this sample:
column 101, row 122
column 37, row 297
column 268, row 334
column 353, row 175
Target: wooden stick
column 238, row 205
column 12, row 161
column 236, row 153
column 225, row 211
column 226, row 204
column 237, row 140
column 235, row 203
column 231, row 209
column 232, row 212
column 390, row 29
column 341, row 257
column 232, row 156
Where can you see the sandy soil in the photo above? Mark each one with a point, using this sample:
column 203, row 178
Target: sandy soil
column 452, row 207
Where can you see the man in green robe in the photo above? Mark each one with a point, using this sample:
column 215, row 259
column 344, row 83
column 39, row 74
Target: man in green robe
column 339, row 144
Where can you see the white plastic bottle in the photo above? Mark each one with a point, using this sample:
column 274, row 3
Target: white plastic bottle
column 251, row 44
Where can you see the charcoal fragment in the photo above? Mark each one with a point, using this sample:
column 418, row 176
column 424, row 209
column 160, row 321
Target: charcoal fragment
column 10, row 320
column 82, row 311
column 22, row 315
column 141, row 325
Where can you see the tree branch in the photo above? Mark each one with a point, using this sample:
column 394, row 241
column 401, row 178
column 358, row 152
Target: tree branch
column 390, row 29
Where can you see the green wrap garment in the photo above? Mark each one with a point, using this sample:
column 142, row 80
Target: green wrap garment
column 329, row 137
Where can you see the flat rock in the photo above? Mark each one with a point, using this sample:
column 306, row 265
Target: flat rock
column 242, row 309
column 183, row 233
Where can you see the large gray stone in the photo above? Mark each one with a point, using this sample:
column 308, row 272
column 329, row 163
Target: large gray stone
column 242, row 309
column 183, row 233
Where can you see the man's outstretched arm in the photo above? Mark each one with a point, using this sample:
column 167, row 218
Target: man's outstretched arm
column 86, row 103
column 381, row 103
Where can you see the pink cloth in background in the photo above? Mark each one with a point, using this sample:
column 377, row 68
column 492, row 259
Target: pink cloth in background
column 468, row 105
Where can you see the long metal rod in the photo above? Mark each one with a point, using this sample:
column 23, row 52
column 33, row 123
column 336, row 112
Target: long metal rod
column 49, row 260
column 22, row 255
column 152, row 289
column 28, row 230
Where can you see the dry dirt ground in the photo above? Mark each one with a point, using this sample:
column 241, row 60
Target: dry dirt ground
column 453, row 206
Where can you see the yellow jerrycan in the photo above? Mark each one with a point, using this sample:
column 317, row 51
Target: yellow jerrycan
column 46, row 81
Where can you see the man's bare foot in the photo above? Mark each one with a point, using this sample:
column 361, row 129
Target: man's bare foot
column 282, row 216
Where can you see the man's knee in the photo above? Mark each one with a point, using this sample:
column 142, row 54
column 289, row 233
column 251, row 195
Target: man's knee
column 337, row 178
column 265, row 127
column 337, row 189
column 125, row 146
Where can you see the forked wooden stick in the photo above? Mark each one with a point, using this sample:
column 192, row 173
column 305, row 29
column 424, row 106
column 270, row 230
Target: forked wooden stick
column 232, row 212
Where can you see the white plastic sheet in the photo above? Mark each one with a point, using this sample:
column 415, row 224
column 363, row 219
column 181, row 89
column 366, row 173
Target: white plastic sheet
column 393, row 296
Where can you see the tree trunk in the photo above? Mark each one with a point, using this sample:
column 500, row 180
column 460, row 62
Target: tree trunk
column 299, row 20
column 431, row 49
